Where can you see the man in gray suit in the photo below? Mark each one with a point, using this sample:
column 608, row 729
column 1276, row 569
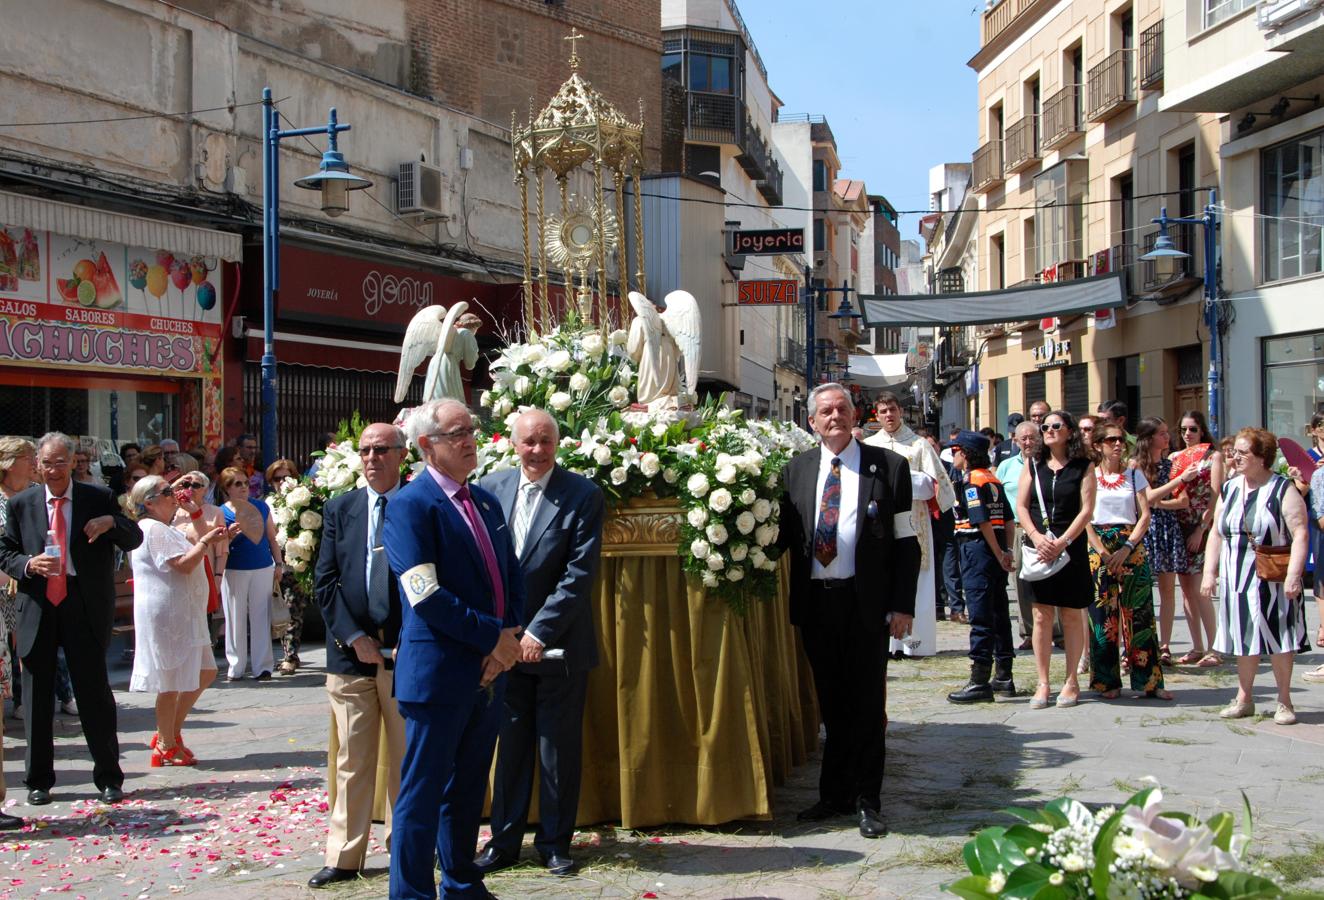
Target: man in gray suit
column 555, row 518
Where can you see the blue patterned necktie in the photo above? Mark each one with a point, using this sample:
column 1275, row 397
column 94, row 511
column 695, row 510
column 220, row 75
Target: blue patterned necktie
column 829, row 510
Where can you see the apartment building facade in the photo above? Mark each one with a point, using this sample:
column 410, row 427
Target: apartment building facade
column 1077, row 155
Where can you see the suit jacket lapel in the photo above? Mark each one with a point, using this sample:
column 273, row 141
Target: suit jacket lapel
column 809, row 509
column 868, row 472
column 356, row 534
column 457, row 522
column 509, row 491
column 547, row 510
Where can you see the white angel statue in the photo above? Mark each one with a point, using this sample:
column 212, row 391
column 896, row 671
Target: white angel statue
column 433, row 332
column 665, row 336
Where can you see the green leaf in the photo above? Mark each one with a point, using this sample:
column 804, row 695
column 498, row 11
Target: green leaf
column 1031, row 880
column 1104, row 853
column 1025, row 837
column 1247, row 817
column 1221, row 825
column 971, row 857
column 1241, row 886
column 973, row 887
column 988, row 850
column 1075, row 812
column 1032, row 816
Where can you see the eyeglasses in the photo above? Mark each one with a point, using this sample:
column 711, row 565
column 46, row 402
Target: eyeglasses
column 1052, row 426
column 1113, row 439
column 1235, row 451
column 1190, row 429
column 235, row 484
column 455, row 434
column 383, row 449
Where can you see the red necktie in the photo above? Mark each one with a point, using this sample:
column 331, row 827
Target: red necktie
column 57, row 587
column 485, row 549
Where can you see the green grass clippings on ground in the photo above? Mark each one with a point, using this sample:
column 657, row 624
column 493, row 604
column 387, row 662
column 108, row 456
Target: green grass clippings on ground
column 1175, row 741
column 1299, row 866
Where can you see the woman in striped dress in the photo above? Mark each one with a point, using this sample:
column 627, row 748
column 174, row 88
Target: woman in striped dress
column 1257, row 616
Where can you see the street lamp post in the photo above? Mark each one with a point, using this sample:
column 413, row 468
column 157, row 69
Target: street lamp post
column 1164, row 249
column 335, row 181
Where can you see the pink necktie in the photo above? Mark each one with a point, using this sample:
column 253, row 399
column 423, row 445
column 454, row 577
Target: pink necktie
column 57, row 586
column 485, row 548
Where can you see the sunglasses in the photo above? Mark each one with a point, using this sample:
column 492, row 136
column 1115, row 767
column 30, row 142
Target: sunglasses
column 1052, row 426
column 1113, row 439
column 380, row 450
column 1190, row 429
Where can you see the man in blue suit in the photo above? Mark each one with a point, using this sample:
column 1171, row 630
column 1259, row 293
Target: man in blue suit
column 555, row 518
column 463, row 596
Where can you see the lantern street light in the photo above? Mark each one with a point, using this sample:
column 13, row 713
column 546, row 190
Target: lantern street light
column 335, row 181
column 1165, row 253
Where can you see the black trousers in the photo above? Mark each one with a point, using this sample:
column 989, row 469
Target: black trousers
column 846, row 651
column 543, row 724
column 66, row 626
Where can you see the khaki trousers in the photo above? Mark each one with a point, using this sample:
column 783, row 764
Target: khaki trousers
column 362, row 707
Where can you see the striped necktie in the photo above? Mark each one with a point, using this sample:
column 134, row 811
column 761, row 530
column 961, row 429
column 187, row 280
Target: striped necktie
column 528, row 496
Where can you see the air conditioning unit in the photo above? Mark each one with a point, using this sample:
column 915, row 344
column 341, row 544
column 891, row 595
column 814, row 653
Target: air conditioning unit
column 420, row 190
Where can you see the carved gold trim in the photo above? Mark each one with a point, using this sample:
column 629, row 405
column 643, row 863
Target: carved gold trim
column 645, row 526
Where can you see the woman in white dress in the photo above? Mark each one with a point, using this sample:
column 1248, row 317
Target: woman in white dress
column 1257, row 616
column 172, row 649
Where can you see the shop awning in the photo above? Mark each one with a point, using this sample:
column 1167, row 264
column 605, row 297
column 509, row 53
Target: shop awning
column 116, row 228
column 878, row 370
column 1039, row 301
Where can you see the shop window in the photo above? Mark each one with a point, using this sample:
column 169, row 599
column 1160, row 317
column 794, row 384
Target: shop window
column 1036, row 389
column 1059, row 197
column 1292, row 201
column 100, row 417
column 1076, row 389
column 1293, row 382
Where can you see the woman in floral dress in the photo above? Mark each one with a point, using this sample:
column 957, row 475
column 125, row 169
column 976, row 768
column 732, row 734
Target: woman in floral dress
column 1163, row 540
column 1200, row 454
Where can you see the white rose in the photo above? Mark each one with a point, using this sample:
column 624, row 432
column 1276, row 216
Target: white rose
column 602, row 455
column 739, row 551
column 735, row 573
column 650, row 464
column 776, row 508
column 310, row 520
column 697, row 484
column 698, row 517
column 763, row 535
column 772, row 480
column 762, row 509
column 619, row 475
column 502, row 408
column 625, row 374
column 723, row 459
column 485, row 399
column 716, row 532
column 716, row 563
column 503, row 445
column 710, row 579
column 560, row 401
column 720, row 501
column 619, row 397
column 747, row 497
column 768, row 565
column 281, row 538
column 306, row 541
column 341, row 478
column 593, row 344
column 727, row 474
column 534, row 353
column 669, row 475
column 699, row 548
column 510, row 419
column 521, row 386
column 659, row 429
column 280, row 515
column 618, row 337
column 745, row 522
column 559, row 361
column 579, row 382
column 299, row 565
column 298, row 498
column 757, row 557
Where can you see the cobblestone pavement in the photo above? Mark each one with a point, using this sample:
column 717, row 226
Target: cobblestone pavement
column 250, row 820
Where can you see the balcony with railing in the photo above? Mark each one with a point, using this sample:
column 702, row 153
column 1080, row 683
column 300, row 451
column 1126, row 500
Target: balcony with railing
column 1061, row 118
column 715, row 118
column 754, row 157
column 987, row 166
column 792, row 355
column 956, row 350
column 1112, row 85
column 999, row 18
column 771, row 186
column 1151, row 57
column 1023, row 144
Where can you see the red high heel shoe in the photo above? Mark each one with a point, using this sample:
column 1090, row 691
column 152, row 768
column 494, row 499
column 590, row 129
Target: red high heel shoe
column 185, row 754
column 168, row 756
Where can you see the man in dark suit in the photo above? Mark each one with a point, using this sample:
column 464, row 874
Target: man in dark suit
column 462, row 596
column 846, row 522
column 66, row 599
column 555, row 518
column 360, row 603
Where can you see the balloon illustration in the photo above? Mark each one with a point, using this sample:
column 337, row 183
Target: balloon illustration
column 138, row 274
column 198, row 266
column 165, row 259
column 157, row 279
column 180, row 275
column 206, row 295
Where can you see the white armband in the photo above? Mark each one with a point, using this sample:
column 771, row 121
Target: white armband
column 922, row 486
column 418, row 583
column 903, row 526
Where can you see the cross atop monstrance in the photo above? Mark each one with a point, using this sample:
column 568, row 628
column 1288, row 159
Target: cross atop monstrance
column 576, row 130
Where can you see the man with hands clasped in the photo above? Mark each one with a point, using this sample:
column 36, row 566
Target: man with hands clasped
column 462, row 595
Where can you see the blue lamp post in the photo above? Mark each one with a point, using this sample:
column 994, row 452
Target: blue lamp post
column 1164, row 249
column 335, row 181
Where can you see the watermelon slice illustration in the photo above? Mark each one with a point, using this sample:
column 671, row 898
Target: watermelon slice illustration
column 108, row 290
column 68, row 288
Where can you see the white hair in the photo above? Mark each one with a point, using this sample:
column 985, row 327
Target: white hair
column 1027, row 424
column 825, row 388
column 538, row 413
column 56, row 437
column 423, row 418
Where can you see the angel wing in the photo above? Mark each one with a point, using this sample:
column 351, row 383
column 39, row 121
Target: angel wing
column 444, row 341
column 686, row 327
column 420, row 343
column 641, row 305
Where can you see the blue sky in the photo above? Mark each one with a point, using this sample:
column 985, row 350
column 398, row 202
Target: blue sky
column 891, row 77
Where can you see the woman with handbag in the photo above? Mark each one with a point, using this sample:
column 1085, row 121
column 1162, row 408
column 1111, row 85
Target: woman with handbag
column 1164, row 546
column 1054, row 502
column 1123, row 609
column 1198, row 466
column 1253, row 566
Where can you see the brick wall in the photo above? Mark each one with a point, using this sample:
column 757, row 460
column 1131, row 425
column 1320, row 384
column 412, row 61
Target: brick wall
column 491, row 57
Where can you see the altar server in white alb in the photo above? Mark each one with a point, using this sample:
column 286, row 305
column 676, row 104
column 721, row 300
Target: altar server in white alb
column 931, row 493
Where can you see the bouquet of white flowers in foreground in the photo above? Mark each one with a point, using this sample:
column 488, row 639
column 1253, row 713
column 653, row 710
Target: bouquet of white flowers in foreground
column 1139, row 851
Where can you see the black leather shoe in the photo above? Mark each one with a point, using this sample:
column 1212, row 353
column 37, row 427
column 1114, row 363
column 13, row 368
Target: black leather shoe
column 560, row 864
column 822, row 810
column 10, row 823
column 871, row 823
column 493, row 860
column 112, row 794
column 331, row 875
column 38, row 797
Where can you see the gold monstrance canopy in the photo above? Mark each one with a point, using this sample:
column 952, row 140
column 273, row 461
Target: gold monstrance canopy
column 577, row 129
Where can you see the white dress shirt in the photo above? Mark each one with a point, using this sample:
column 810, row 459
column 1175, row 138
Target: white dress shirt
column 537, row 498
column 843, row 566
column 68, row 513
